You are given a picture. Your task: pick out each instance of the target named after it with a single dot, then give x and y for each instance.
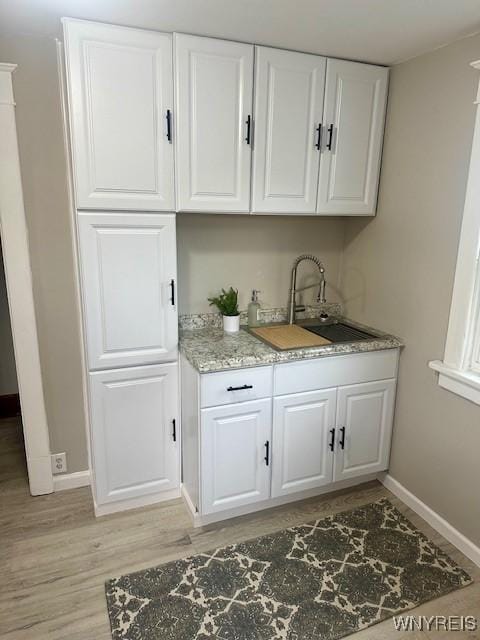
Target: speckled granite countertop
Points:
(209, 349)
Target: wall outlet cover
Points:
(59, 463)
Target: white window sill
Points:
(463, 383)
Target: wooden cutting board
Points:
(289, 336)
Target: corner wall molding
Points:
(64, 481)
(18, 276)
(448, 531)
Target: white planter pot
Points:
(231, 324)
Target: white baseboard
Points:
(135, 503)
(202, 520)
(71, 480)
(466, 546)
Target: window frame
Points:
(459, 371)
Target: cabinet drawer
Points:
(227, 387)
(334, 371)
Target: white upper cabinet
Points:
(354, 113)
(364, 428)
(214, 85)
(128, 268)
(314, 134)
(121, 107)
(289, 90)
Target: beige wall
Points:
(8, 374)
(42, 159)
(399, 268)
(253, 252)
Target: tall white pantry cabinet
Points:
(120, 89)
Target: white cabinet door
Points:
(289, 90)
(303, 431)
(214, 83)
(364, 428)
(128, 266)
(235, 455)
(354, 114)
(121, 94)
(135, 447)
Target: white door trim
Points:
(18, 276)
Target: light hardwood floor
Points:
(55, 556)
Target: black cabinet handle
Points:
(330, 137)
(342, 438)
(318, 143)
(267, 453)
(174, 430)
(172, 285)
(248, 122)
(169, 125)
(244, 386)
(332, 439)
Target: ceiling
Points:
(381, 31)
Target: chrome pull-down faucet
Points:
(292, 305)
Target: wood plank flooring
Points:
(55, 555)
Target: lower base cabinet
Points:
(235, 455)
(134, 421)
(277, 446)
(364, 419)
(325, 436)
(302, 458)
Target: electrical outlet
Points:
(59, 463)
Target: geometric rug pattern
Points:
(318, 581)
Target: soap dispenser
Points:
(254, 310)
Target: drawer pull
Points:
(267, 452)
(245, 386)
(332, 439)
(342, 438)
(174, 430)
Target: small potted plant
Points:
(227, 303)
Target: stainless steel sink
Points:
(338, 332)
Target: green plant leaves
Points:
(226, 302)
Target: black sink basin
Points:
(339, 332)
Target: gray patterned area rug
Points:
(319, 581)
